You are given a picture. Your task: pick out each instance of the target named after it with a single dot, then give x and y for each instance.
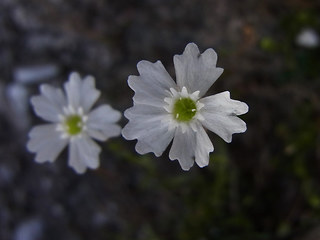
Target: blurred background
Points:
(264, 185)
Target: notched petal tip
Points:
(240, 107)
(186, 168)
(225, 94)
(219, 71)
(126, 134)
(78, 170)
(244, 108)
(210, 57)
(30, 146)
(191, 50)
(33, 100)
(44, 87)
(228, 139)
(131, 81)
(127, 113)
(74, 76)
(143, 64)
(243, 127)
(202, 165)
(195, 70)
(192, 47)
(90, 79)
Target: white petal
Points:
(183, 148)
(89, 152)
(141, 125)
(220, 115)
(46, 142)
(98, 135)
(55, 95)
(224, 126)
(75, 160)
(155, 74)
(103, 114)
(152, 85)
(89, 93)
(83, 153)
(146, 93)
(73, 90)
(222, 103)
(144, 111)
(156, 141)
(149, 125)
(105, 132)
(101, 123)
(45, 109)
(196, 71)
(49, 104)
(203, 148)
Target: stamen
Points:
(195, 95)
(174, 92)
(184, 92)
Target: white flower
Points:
(72, 123)
(308, 38)
(164, 110)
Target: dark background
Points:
(262, 186)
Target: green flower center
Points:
(184, 109)
(73, 124)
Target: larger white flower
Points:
(164, 110)
(72, 123)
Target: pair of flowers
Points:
(163, 110)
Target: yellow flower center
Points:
(73, 125)
(184, 109)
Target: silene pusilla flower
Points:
(164, 110)
(72, 122)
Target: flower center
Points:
(73, 125)
(184, 109)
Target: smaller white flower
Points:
(164, 110)
(308, 38)
(72, 123)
